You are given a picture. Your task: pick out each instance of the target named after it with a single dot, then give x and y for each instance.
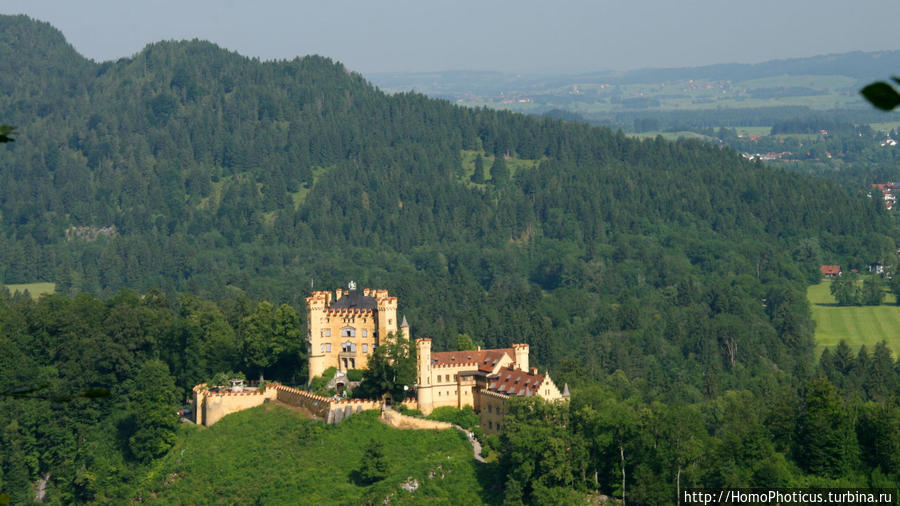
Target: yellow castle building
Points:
(344, 328)
(483, 379)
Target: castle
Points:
(343, 331)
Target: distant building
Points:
(830, 271)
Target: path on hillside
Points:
(476, 446)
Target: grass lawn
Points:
(753, 131)
(858, 325)
(274, 455)
(35, 289)
(514, 164)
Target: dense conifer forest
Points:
(186, 199)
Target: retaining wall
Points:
(395, 419)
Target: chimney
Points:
(533, 371)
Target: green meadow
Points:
(858, 325)
(34, 289)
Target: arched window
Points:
(348, 332)
(348, 347)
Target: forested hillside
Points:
(190, 169)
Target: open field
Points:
(858, 325)
(514, 164)
(35, 289)
(753, 131)
(886, 126)
(670, 136)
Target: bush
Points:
(355, 375)
(403, 410)
(223, 379)
(465, 417)
(319, 383)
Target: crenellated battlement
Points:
(348, 310)
(494, 395)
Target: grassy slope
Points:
(858, 325)
(273, 455)
(514, 164)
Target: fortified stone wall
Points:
(210, 407)
(396, 420)
(324, 408)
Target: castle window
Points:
(365, 332)
(490, 408)
(348, 347)
(348, 332)
(322, 350)
(365, 348)
(327, 332)
(327, 347)
(490, 424)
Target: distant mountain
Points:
(858, 65)
(820, 82)
(863, 66)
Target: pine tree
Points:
(827, 443)
(478, 175)
(499, 171)
(374, 466)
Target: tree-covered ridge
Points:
(222, 171)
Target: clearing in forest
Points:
(858, 325)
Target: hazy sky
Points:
(522, 35)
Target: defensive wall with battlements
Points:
(211, 405)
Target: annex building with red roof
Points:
(483, 379)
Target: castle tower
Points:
(404, 328)
(424, 394)
(343, 331)
(521, 356)
(387, 314)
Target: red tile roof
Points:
(515, 382)
(831, 269)
(484, 359)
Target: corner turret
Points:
(521, 356)
(424, 394)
